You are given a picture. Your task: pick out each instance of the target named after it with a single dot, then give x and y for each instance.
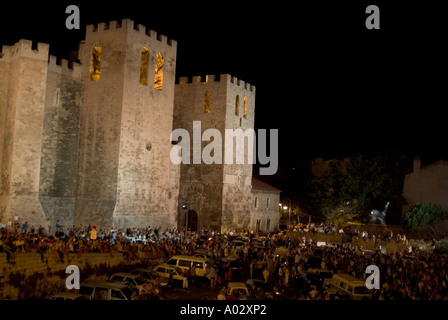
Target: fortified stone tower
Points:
(39, 106)
(218, 196)
(57, 183)
(125, 176)
(23, 80)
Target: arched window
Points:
(95, 63)
(256, 202)
(207, 102)
(267, 202)
(237, 105)
(158, 78)
(144, 63)
(245, 107)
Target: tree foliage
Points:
(348, 191)
(424, 214)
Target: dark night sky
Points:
(329, 85)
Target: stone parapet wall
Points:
(47, 279)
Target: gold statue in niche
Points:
(158, 78)
(144, 63)
(207, 102)
(95, 64)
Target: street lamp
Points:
(289, 211)
(184, 207)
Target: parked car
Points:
(254, 284)
(63, 296)
(265, 286)
(134, 280)
(355, 288)
(238, 244)
(234, 263)
(257, 244)
(103, 290)
(201, 253)
(305, 280)
(185, 263)
(149, 275)
(164, 270)
(237, 289)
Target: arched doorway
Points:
(192, 218)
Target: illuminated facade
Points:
(89, 142)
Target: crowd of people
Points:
(422, 276)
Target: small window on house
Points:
(144, 63)
(95, 64)
(256, 202)
(237, 105)
(245, 107)
(268, 224)
(207, 102)
(158, 78)
(267, 203)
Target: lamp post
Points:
(184, 207)
(289, 210)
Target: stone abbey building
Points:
(90, 142)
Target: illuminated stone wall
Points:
(201, 185)
(57, 185)
(90, 143)
(23, 79)
(124, 169)
(237, 204)
(265, 209)
(219, 193)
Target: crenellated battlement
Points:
(241, 83)
(62, 66)
(127, 25)
(24, 48)
(223, 78)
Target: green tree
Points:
(425, 214)
(326, 192)
(348, 191)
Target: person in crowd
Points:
(213, 275)
(425, 277)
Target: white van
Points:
(355, 288)
(184, 262)
(101, 290)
